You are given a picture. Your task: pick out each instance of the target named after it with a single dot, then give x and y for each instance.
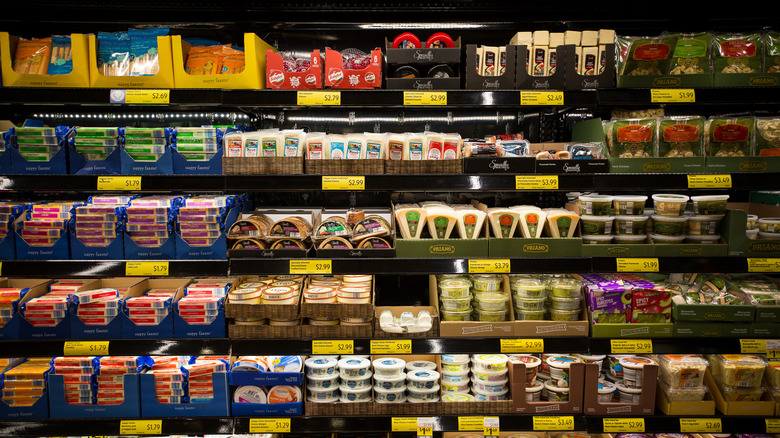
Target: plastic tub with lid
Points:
(489, 376)
(393, 395)
(704, 225)
(534, 393)
(488, 387)
(752, 234)
(456, 377)
(598, 359)
(354, 395)
(740, 393)
(665, 240)
(744, 370)
(629, 204)
(390, 382)
(457, 359)
(322, 395)
(565, 314)
(669, 204)
(324, 382)
(628, 239)
(751, 221)
(455, 287)
(596, 225)
(606, 391)
(491, 315)
(486, 282)
(356, 382)
(389, 366)
(453, 315)
(459, 387)
(321, 366)
(490, 362)
(423, 395)
(527, 288)
(628, 394)
(633, 370)
(422, 379)
(556, 393)
(529, 303)
(529, 315)
(490, 396)
(669, 225)
(491, 301)
(599, 205)
(456, 304)
(532, 365)
(354, 367)
(565, 303)
(565, 287)
(559, 366)
(682, 394)
(597, 240)
(768, 236)
(709, 204)
(452, 369)
(456, 397)
(630, 225)
(420, 364)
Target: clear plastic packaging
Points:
(682, 370)
(683, 394)
(740, 370)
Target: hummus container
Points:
(420, 364)
(669, 225)
(630, 225)
(633, 370)
(325, 382)
(527, 288)
(661, 240)
(456, 397)
(455, 288)
(556, 393)
(491, 315)
(565, 315)
(461, 388)
(489, 387)
(669, 205)
(489, 362)
(596, 225)
(704, 225)
(453, 315)
(559, 366)
(598, 205)
(629, 204)
(490, 396)
(628, 239)
(709, 204)
(489, 376)
(529, 303)
(768, 236)
(743, 370)
(702, 240)
(534, 393)
(423, 395)
(606, 391)
(354, 395)
(751, 221)
(486, 282)
(323, 395)
(361, 383)
(395, 395)
(529, 315)
(615, 369)
(532, 364)
(565, 303)
(491, 301)
(628, 394)
(773, 373)
(388, 383)
(597, 240)
(565, 287)
(422, 379)
(321, 367)
(456, 304)
(752, 234)
(768, 225)
(389, 367)
(354, 367)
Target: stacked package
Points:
(488, 382)
(440, 219)
(201, 220)
(9, 301)
(681, 376)
(147, 144)
(626, 298)
(9, 212)
(169, 378)
(150, 219)
(96, 143)
(264, 394)
(97, 307)
(540, 297)
(473, 298)
(266, 143)
(344, 289)
(151, 308)
(110, 378)
(200, 380)
(47, 310)
(37, 144)
(46, 223)
(78, 376)
(345, 380)
(98, 223)
(739, 377)
(197, 143)
(352, 230)
(25, 383)
(203, 298)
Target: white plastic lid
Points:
(381, 390)
(455, 359)
(421, 391)
(423, 376)
(636, 362)
(550, 385)
(658, 218)
(250, 394)
(703, 237)
(668, 239)
(286, 364)
(457, 397)
(562, 361)
(670, 198)
(632, 198)
(322, 390)
(590, 217)
(529, 361)
(710, 198)
(536, 388)
(319, 363)
(485, 372)
(420, 364)
(490, 360)
(623, 388)
(706, 217)
(490, 383)
(390, 379)
(596, 197)
(597, 237)
(346, 389)
(354, 363)
(389, 365)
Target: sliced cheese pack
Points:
(315, 146)
(375, 146)
(335, 147)
(411, 220)
(503, 221)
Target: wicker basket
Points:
(262, 165)
(261, 311)
(336, 331)
(409, 408)
(336, 310)
(345, 167)
(477, 407)
(264, 331)
(321, 409)
(417, 167)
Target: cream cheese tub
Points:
(460, 388)
(633, 370)
(420, 364)
(423, 395)
(598, 205)
(422, 379)
(556, 393)
(457, 397)
(486, 282)
(670, 205)
(457, 359)
(354, 367)
(709, 204)
(596, 225)
(628, 394)
(350, 395)
(393, 395)
(630, 225)
(559, 366)
(389, 367)
(606, 391)
(356, 383)
(489, 376)
(489, 362)
(489, 387)
(532, 365)
(490, 396)
(629, 204)
(389, 383)
(324, 382)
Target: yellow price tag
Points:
(772, 425)
(1, 268)
(141, 97)
(403, 424)
(536, 182)
(672, 95)
(541, 98)
(425, 426)
(147, 269)
(401, 346)
(637, 264)
(343, 183)
(311, 266)
(701, 425)
(709, 181)
(763, 265)
(624, 425)
(314, 98)
(554, 423)
(425, 98)
(489, 266)
(140, 427)
(471, 424)
(631, 346)
(522, 345)
(117, 183)
(270, 425)
(339, 346)
(85, 348)
(490, 426)
(752, 346)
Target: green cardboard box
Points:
(541, 247)
(666, 81)
(734, 227)
(742, 164)
(432, 248)
(711, 312)
(746, 80)
(618, 250)
(631, 330)
(712, 329)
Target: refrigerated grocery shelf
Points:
(121, 347)
(110, 268)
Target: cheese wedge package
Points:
(411, 220)
(503, 221)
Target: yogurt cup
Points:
(670, 205)
(628, 394)
(709, 204)
(389, 383)
(532, 365)
(630, 225)
(461, 388)
(356, 395)
(597, 240)
(556, 393)
(489, 387)
(489, 362)
(629, 204)
(669, 225)
(599, 205)
(389, 366)
(490, 396)
(559, 366)
(323, 395)
(321, 367)
(704, 225)
(423, 395)
(422, 379)
(534, 393)
(529, 315)
(456, 397)
(628, 239)
(564, 315)
(661, 240)
(633, 370)
(324, 382)
(768, 236)
(703, 240)
(596, 225)
(768, 225)
(395, 395)
(606, 391)
(354, 367)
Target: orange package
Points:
(204, 60)
(232, 61)
(32, 56)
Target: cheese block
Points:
(356, 147)
(315, 146)
(441, 221)
(270, 144)
(335, 243)
(234, 144)
(415, 147)
(293, 142)
(331, 227)
(251, 141)
(411, 220)
(451, 147)
(371, 226)
(375, 146)
(470, 221)
(561, 223)
(435, 148)
(532, 222)
(396, 146)
(335, 147)
(256, 226)
(503, 221)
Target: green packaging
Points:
(681, 137)
(633, 138)
(730, 137)
(648, 56)
(691, 54)
(738, 53)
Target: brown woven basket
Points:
(274, 311)
(262, 165)
(320, 409)
(408, 408)
(336, 331)
(477, 407)
(345, 167)
(336, 310)
(404, 167)
(264, 331)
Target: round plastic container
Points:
(488, 387)
(389, 367)
(355, 383)
(456, 397)
(395, 395)
(556, 393)
(534, 393)
(629, 204)
(630, 225)
(283, 394)
(457, 359)
(768, 236)
(625, 239)
(456, 304)
(527, 288)
(628, 394)
(455, 288)
(420, 364)
(564, 315)
(751, 221)
(752, 234)
(660, 240)
(593, 225)
(599, 205)
(423, 395)
(613, 361)
(532, 364)
(597, 240)
(451, 315)
(489, 376)
(490, 396)
(598, 359)
(704, 225)
(350, 395)
(768, 225)
(529, 303)
(492, 301)
(323, 395)
(321, 367)
(702, 240)
(489, 362)
(606, 391)
(389, 383)
(461, 388)
(669, 225)
(455, 378)
(454, 368)
(669, 205)
(633, 370)
(250, 394)
(559, 366)
(529, 315)
(565, 287)
(490, 315)
(354, 367)
(709, 204)
(422, 379)
(486, 282)
(565, 303)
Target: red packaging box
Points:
(278, 79)
(337, 77)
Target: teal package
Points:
(144, 60)
(61, 62)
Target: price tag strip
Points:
(85, 348)
(773, 425)
(489, 266)
(425, 426)
(425, 98)
(403, 424)
(118, 183)
(624, 425)
(673, 95)
(343, 183)
(402, 346)
(763, 265)
(536, 182)
(270, 425)
(300, 267)
(554, 423)
(631, 346)
(140, 427)
(147, 269)
(637, 264)
(709, 181)
(490, 426)
(541, 98)
(336, 346)
(522, 346)
(316, 98)
(701, 425)
(471, 424)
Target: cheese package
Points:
(315, 146)
(490, 60)
(470, 221)
(371, 226)
(233, 144)
(411, 220)
(293, 141)
(335, 147)
(271, 144)
(441, 221)
(553, 57)
(356, 146)
(531, 220)
(503, 221)
(375, 146)
(397, 147)
(435, 146)
(415, 147)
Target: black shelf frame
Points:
(108, 268)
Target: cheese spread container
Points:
(633, 370)
(389, 367)
(559, 366)
(534, 393)
(606, 391)
(596, 239)
(456, 315)
(490, 396)
(393, 395)
(455, 378)
(423, 395)
(486, 282)
(284, 394)
(743, 370)
(565, 287)
(532, 365)
(247, 394)
(354, 367)
(323, 382)
(389, 383)
(420, 364)
(285, 364)
(491, 301)
(456, 304)
(457, 397)
(598, 205)
(669, 205)
(489, 362)
(630, 225)
(529, 315)
(490, 387)
(356, 383)
(669, 225)
(323, 395)
(462, 388)
(629, 204)
(768, 225)
(422, 379)
(565, 303)
(661, 239)
(596, 225)
(628, 394)
(455, 288)
(488, 376)
(321, 367)
(556, 393)
(704, 225)
(709, 204)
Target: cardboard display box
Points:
(264, 331)
(576, 392)
(576, 81)
(704, 408)
(278, 79)
(31, 288)
(265, 379)
(735, 224)
(407, 407)
(253, 76)
(525, 81)
(310, 214)
(681, 311)
(475, 81)
(163, 79)
(764, 407)
(478, 329)
(77, 78)
(337, 77)
(385, 213)
(428, 247)
(217, 328)
(134, 286)
(130, 408)
(414, 310)
(631, 330)
(422, 59)
(150, 407)
(163, 330)
(646, 406)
